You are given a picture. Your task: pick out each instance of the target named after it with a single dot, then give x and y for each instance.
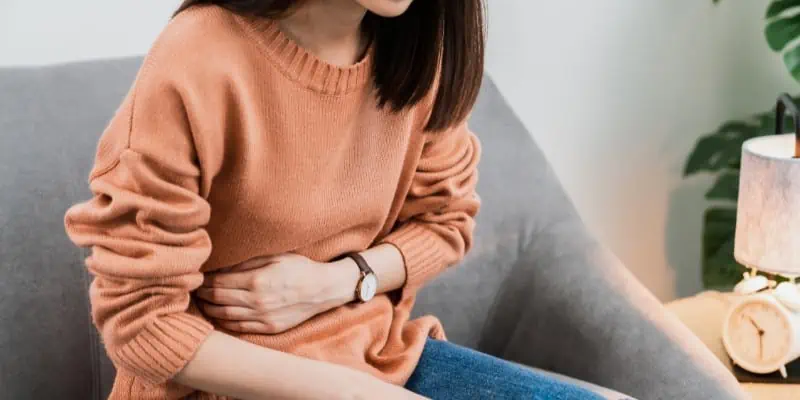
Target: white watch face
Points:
(368, 287)
(758, 336)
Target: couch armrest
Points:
(583, 314)
(704, 314)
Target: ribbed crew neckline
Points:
(304, 67)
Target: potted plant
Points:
(719, 153)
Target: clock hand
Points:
(758, 328)
(760, 337)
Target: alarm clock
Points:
(761, 334)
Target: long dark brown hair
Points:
(434, 36)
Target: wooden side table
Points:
(704, 315)
(762, 391)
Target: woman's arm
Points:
(232, 367)
(386, 262)
(434, 231)
(145, 226)
(436, 223)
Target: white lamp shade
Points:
(768, 214)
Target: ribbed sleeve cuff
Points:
(164, 347)
(422, 250)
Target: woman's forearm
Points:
(229, 366)
(387, 263)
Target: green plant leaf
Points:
(720, 269)
(783, 28)
(791, 59)
(781, 31)
(704, 156)
(721, 149)
(779, 6)
(726, 187)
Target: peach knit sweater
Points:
(234, 143)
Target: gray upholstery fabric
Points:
(535, 289)
(50, 120)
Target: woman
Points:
(279, 182)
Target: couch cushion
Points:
(50, 120)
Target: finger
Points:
(254, 263)
(247, 327)
(230, 280)
(224, 297)
(289, 257)
(229, 313)
(288, 318)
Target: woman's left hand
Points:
(273, 294)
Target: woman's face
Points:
(386, 8)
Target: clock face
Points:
(759, 336)
(369, 285)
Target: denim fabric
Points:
(450, 372)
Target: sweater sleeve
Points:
(436, 222)
(145, 227)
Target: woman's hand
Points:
(273, 294)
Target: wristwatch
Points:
(368, 282)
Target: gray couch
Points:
(536, 289)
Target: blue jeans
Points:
(450, 372)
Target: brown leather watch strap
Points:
(361, 262)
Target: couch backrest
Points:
(50, 120)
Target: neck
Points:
(331, 29)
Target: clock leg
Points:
(783, 372)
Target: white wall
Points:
(51, 31)
(614, 91)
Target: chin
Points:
(386, 8)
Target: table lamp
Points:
(768, 213)
(762, 329)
